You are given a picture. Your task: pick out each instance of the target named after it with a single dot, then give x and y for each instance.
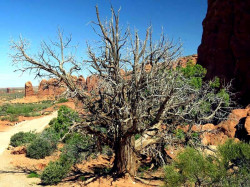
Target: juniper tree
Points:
(140, 86)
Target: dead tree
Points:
(138, 88)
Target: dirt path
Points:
(10, 176)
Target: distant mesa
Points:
(52, 87)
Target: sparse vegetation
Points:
(10, 96)
(229, 167)
(62, 100)
(11, 112)
(22, 138)
(33, 174)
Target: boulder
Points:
(229, 125)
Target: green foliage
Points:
(82, 178)
(40, 148)
(55, 172)
(194, 73)
(51, 135)
(22, 138)
(65, 119)
(172, 177)
(137, 136)
(180, 134)
(23, 109)
(224, 95)
(62, 100)
(106, 150)
(11, 112)
(11, 118)
(205, 106)
(191, 167)
(33, 174)
(10, 96)
(215, 83)
(236, 156)
(77, 148)
(229, 167)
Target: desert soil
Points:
(9, 175)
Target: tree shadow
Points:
(241, 132)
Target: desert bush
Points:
(40, 148)
(55, 172)
(51, 135)
(11, 118)
(22, 138)
(62, 100)
(28, 109)
(33, 174)
(77, 148)
(193, 168)
(66, 118)
(229, 167)
(235, 156)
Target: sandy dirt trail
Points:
(10, 176)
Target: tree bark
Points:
(125, 157)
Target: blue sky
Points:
(38, 20)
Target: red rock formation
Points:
(50, 88)
(81, 82)
(92, 82)
(29, 89)
(184, 60)
(224, 50)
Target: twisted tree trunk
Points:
(125, 157)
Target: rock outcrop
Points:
(92, 82)
(224, 50)
(183, 61)
(29, 91)
(50, 88)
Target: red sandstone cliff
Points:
(225, 46)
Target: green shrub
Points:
(27, 109)
(62, 100)
(172, 176)
(22, 138)
(65, 119)
(225, 96)
(40, 148)
(194, 74)
(235, 156)
(77, 148)
(215, 83)
(51, 135)
(193, 168)
(33, 174)
(55, 172)
(229, 167)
